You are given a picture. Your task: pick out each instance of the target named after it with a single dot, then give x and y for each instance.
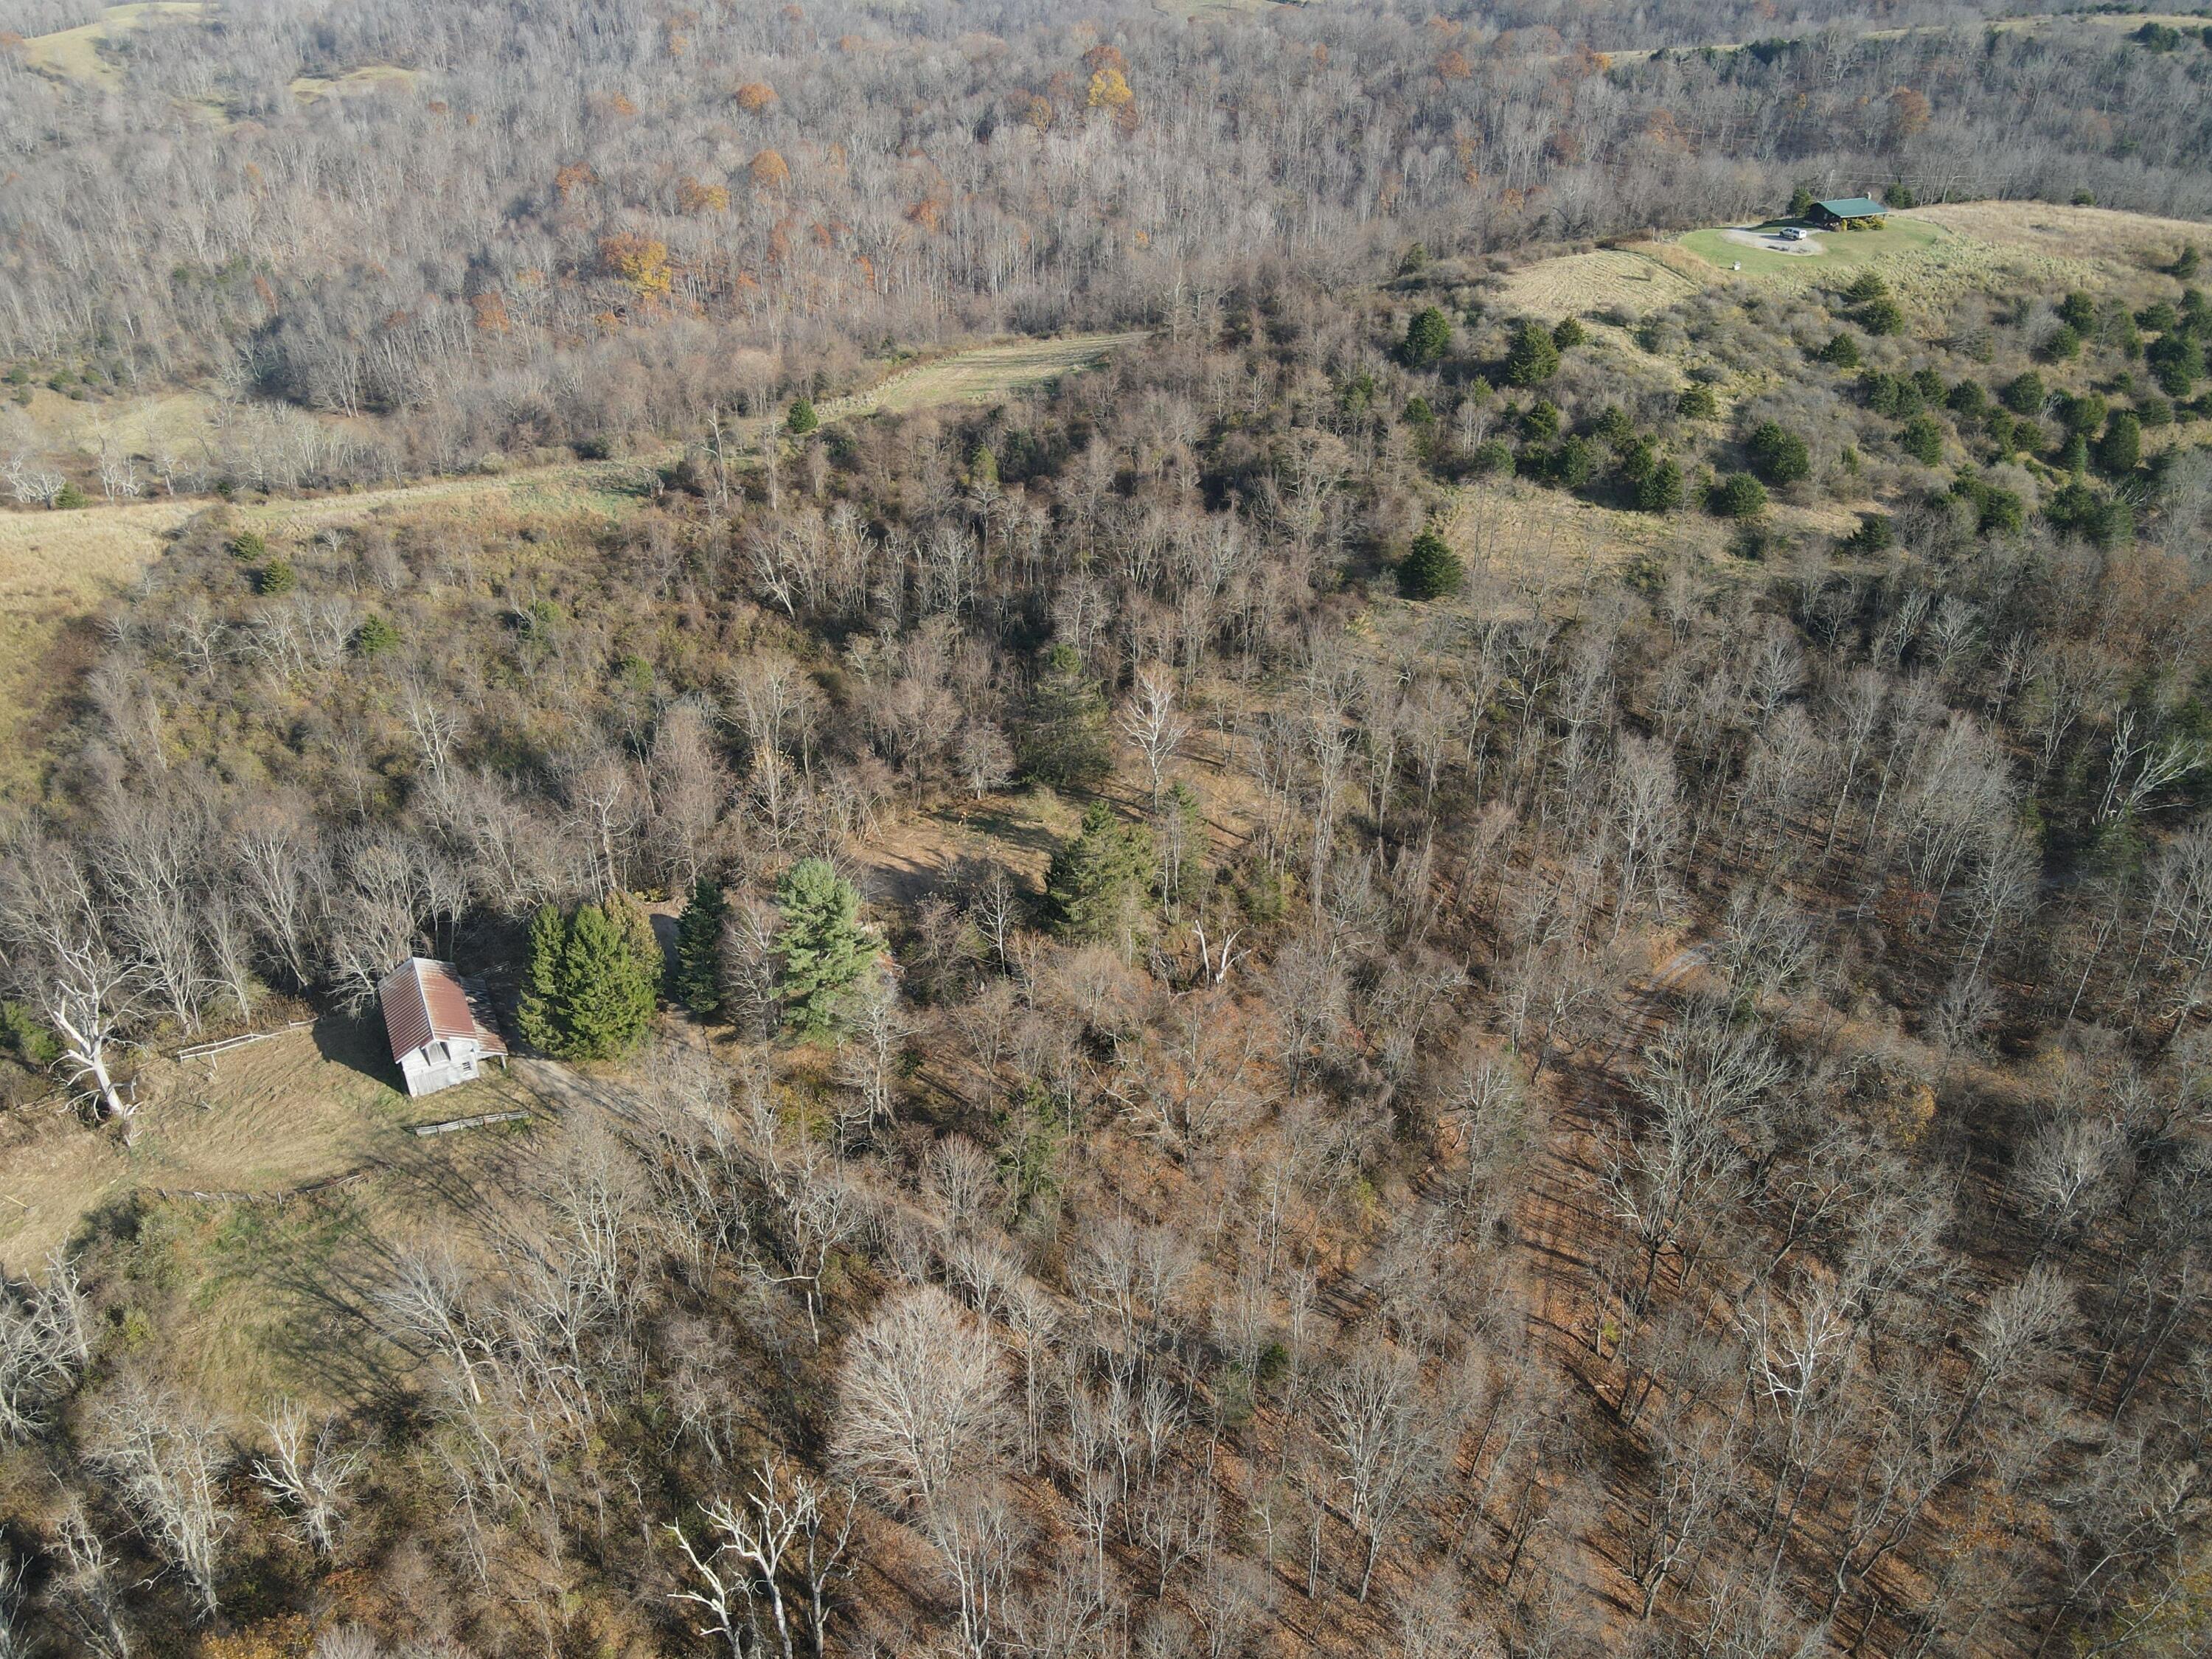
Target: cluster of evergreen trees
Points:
(592, 978)
(596, 971)
(822, 950)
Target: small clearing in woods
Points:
(1195, 10)
(2128, 20)
(985, 374)
(264, 1118)
(925, 852)
(375, 78)
(1522, 533)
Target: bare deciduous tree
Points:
(311, 1474)
(44, 1348)
(67, 962)
(168, 1459)
(1154, 725)
(1376, 1425)
(787, 1522)
(920, 1398)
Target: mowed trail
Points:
(56, 567)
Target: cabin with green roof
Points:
(1848, 213)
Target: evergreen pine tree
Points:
(1738, 495)
(1428, 337)
(628, 914)
(607, 984)
(1534, 358)
(696, 981)
(1780, 455)
(541, 981)
(1064, 740)
(1098, 881)
(589, 989)
(2120, 450)
(824, 946)
(1431, 570)
(1660, 490)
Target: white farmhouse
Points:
(438, 1031)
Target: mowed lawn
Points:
(264, 1118)
(261, 1195)
(1845, 249)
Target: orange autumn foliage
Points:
(1908, 113)
(769, 171)
(694, 197)
(1109, 89)
(754, 96)
(638, 260)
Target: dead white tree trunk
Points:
(311, 1479)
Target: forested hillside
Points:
(504, 224)
(1476, 944)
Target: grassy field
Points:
(75, 55)
(982, 375)
(265, 1119)
(2085, 234)
(2116, 20)
(1631, 282)
(256, 1296)
(1930, 255)
(1550, 538)
(375, 78)
(1924, 253)
(1214, 9)
(57, 567)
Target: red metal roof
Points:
(424, 1001)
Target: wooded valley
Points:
(1286, 856)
